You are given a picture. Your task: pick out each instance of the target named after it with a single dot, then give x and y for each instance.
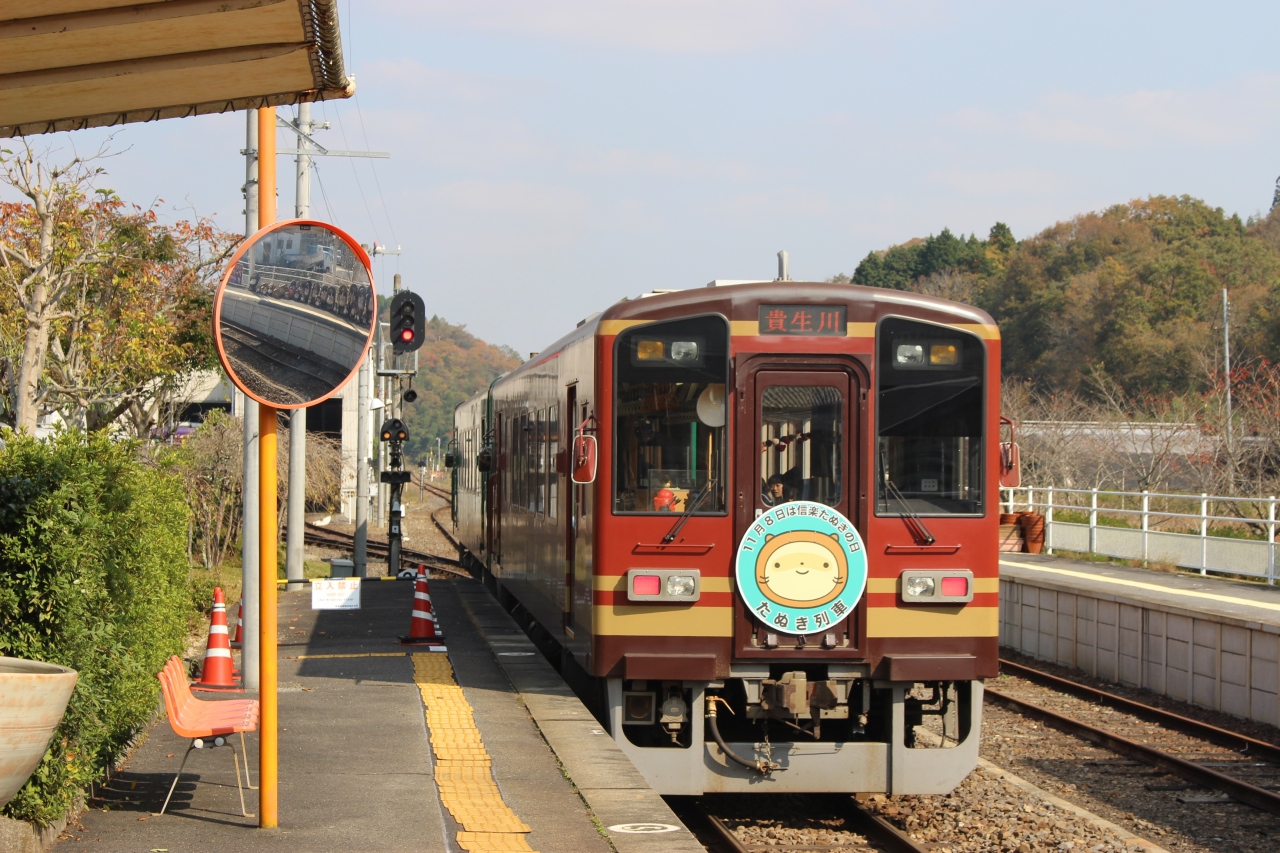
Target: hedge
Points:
(94, 576)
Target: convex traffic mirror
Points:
(294, 313)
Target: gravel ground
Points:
(1164, 808)
(987, 813)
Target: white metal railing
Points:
(1148, 542)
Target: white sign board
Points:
(336, 594)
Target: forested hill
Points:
(452, 365)
(1132, 293)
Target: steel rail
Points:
(877, 830)
(1213, 734)
(1240, 790)
(723, 834)
(881, 831)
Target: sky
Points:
(549, 158)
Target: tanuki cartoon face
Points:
(802, 568)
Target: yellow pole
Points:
(268, 809)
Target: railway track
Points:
(1243, 768)
(257, 357)
(790, 823)
(378, 548)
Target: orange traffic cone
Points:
(238, 640)
(216, 673)
(422, 630)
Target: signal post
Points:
(407, 323)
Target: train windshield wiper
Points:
(918, 530)
(690, 507)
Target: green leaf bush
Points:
(94, 576)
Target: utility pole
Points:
(360, 556)
(249, 419)
(1226, 366)
(296, 553)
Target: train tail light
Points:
(952, 586)
(646, 585)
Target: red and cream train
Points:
(762, 518)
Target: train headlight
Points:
(682, 586)
(909, 355)
(926, 354)
(949, 586)
(684, 350)
(919, 587)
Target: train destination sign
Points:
(801, 568)
(294, 313)
(806, 320)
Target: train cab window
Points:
(802, 433)
(929, 405)
(670, 415)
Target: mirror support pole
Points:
(268, 807)
(267, 565)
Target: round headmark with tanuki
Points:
(294, 314)
(801, 567)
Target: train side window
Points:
(929, 414)
(670, 419)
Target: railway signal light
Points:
(408, 321)
(393, 429)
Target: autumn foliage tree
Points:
(104, 307)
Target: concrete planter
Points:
(33, 698)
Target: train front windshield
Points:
(669, 417)
(930, 423)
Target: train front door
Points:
(797, 440)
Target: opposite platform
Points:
(1210, 641)
(359, 767)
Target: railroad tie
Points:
(464, 774)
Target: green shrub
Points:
(94, 576)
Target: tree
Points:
(107, 308)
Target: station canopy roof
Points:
(71, 64)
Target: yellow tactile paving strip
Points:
(463, 771)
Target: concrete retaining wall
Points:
(1210, 660)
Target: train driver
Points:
(774, 491)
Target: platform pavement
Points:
(1246, 601)
(356, 766)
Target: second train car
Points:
(762, 518)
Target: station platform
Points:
(389, 748)
(1210, 641)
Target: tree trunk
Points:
(36, 344)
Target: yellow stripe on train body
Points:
(960, 620)
(656, 620)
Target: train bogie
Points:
(779, 573)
